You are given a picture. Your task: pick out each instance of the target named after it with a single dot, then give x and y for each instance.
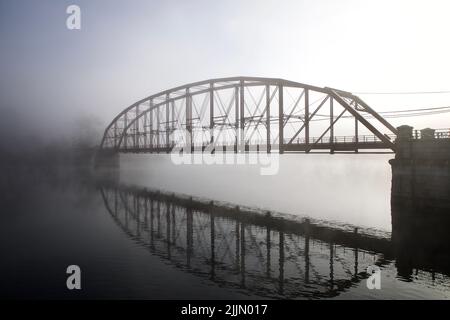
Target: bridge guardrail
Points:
(438, 134)
(416, 135)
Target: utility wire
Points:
(404, 92)
(413, 110)
(398, 113)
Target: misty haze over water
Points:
(133, 240)
(345, 188)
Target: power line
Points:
(416, 114)
(404, 92)
(399, 113)
(414, 110)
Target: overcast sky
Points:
(126, 50)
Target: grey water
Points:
(346, 188)
(156, 230)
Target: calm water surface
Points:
(157, 231)
(345, 188)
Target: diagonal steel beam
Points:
(328, 129)
(361, 119)
(312, 115)
(295, 106)
(376, 115)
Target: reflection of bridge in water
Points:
(259, 253)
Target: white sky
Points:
(127, 50)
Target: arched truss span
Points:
(248, 112)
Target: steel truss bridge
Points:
(249, 114)
(239, 248)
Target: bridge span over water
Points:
(249, 114)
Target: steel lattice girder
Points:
(150, 122)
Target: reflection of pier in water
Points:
(261, 254)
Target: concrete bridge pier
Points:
(420, 199)
(420, 180)
(421, 169)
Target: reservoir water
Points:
(155, 230)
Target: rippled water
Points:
(156, 231)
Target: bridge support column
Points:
(421, 172)
(420, 200)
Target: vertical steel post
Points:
(158, 127)
(242, 113)
(145, 130)
(167, 121)
(115, 135)
(211, 112)
(136, 128)
(307, 119)
(280, 120)
(173, 120)
(188, 121)
(268, 142)
(236, 109)
(150, 114)
(125, 133)
(331, 125)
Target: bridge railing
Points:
(298, 141)
(342, 139)
(361, 139)
(323, 140)
(438, 134)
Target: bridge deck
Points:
(293, 147)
